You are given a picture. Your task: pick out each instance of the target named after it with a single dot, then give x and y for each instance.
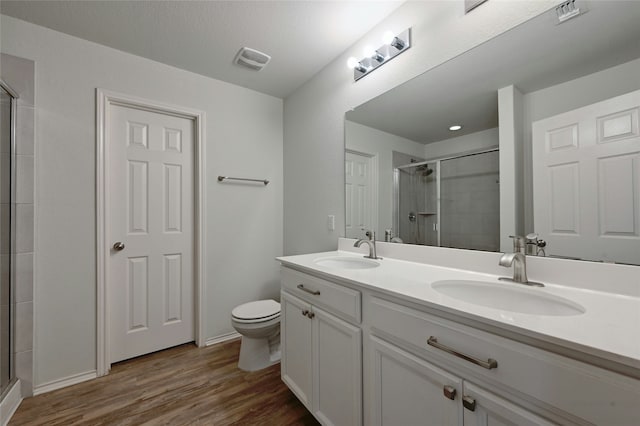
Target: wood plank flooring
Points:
(184, 385)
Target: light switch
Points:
(331, 222)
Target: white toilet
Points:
(259, 324)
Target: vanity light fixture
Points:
(568, 10)
(392, 47)
(455, 128)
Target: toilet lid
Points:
(256, 310)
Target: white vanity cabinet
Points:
(484, 408)
(321, 352)
(411, 391)
(510, 382)
(408, 390)
(419, 365)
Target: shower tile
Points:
(24, 326)
(5, 267)
(5, 178)
(24, 228)
(24, 277)
(19, 73)
(24, 371)
(25, 179)
(5, 228)
(25, 131)
(5, 122)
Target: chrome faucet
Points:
(371, 242)
(519, 263)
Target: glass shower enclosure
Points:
(7, 315)
(449, 202)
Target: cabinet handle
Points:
(311, 315)
(314, 292)
(450, 392)
(488, 364)
(469, 403)
(305, 313)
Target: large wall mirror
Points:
(549, 144)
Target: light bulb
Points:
(368, 51)
(455, 127)
(352, 62)
(388, 37)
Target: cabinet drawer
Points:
(342, 301)
(582, 390)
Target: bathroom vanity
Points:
(405, 343)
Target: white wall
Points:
(373, 141)
(314, 114)
(565, 97)
(484, 139)
(244, 234)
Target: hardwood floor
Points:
(184, 385)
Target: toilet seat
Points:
(256, 312)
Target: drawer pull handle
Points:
(469, 403)
(450, 392)
(488, 364)
(314, 292)
(305, 313)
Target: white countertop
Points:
(608, 329)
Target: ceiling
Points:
(537, 54)
(204, 36)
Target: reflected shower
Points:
(422, 169)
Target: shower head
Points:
(421, 170)
(424, 170)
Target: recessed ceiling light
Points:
(455, 128)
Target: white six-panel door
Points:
(151, 211)
(360, 198)
(586, 178)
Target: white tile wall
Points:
(19, 73)
(24, 186)
(24, 228)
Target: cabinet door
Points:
(410, 391)
(337, 350)
(296, 340)
(482, 408)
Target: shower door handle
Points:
(119, 246)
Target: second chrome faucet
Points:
(519, 262)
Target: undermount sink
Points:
(508, 297)
(341, 262)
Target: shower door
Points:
(6, 307)
(416, 195)
(470, 202)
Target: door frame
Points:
(104, 100)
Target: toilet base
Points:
(256, 354)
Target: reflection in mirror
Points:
(549, 146)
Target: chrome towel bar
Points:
(223, 178)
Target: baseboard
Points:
(222, 338)
(10, 403)
(64, 382)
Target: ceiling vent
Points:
(567, 10)
(252, 59)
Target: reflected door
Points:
(586, 181)
(360, 197)
(151, 274)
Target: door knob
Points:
(118, 246)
